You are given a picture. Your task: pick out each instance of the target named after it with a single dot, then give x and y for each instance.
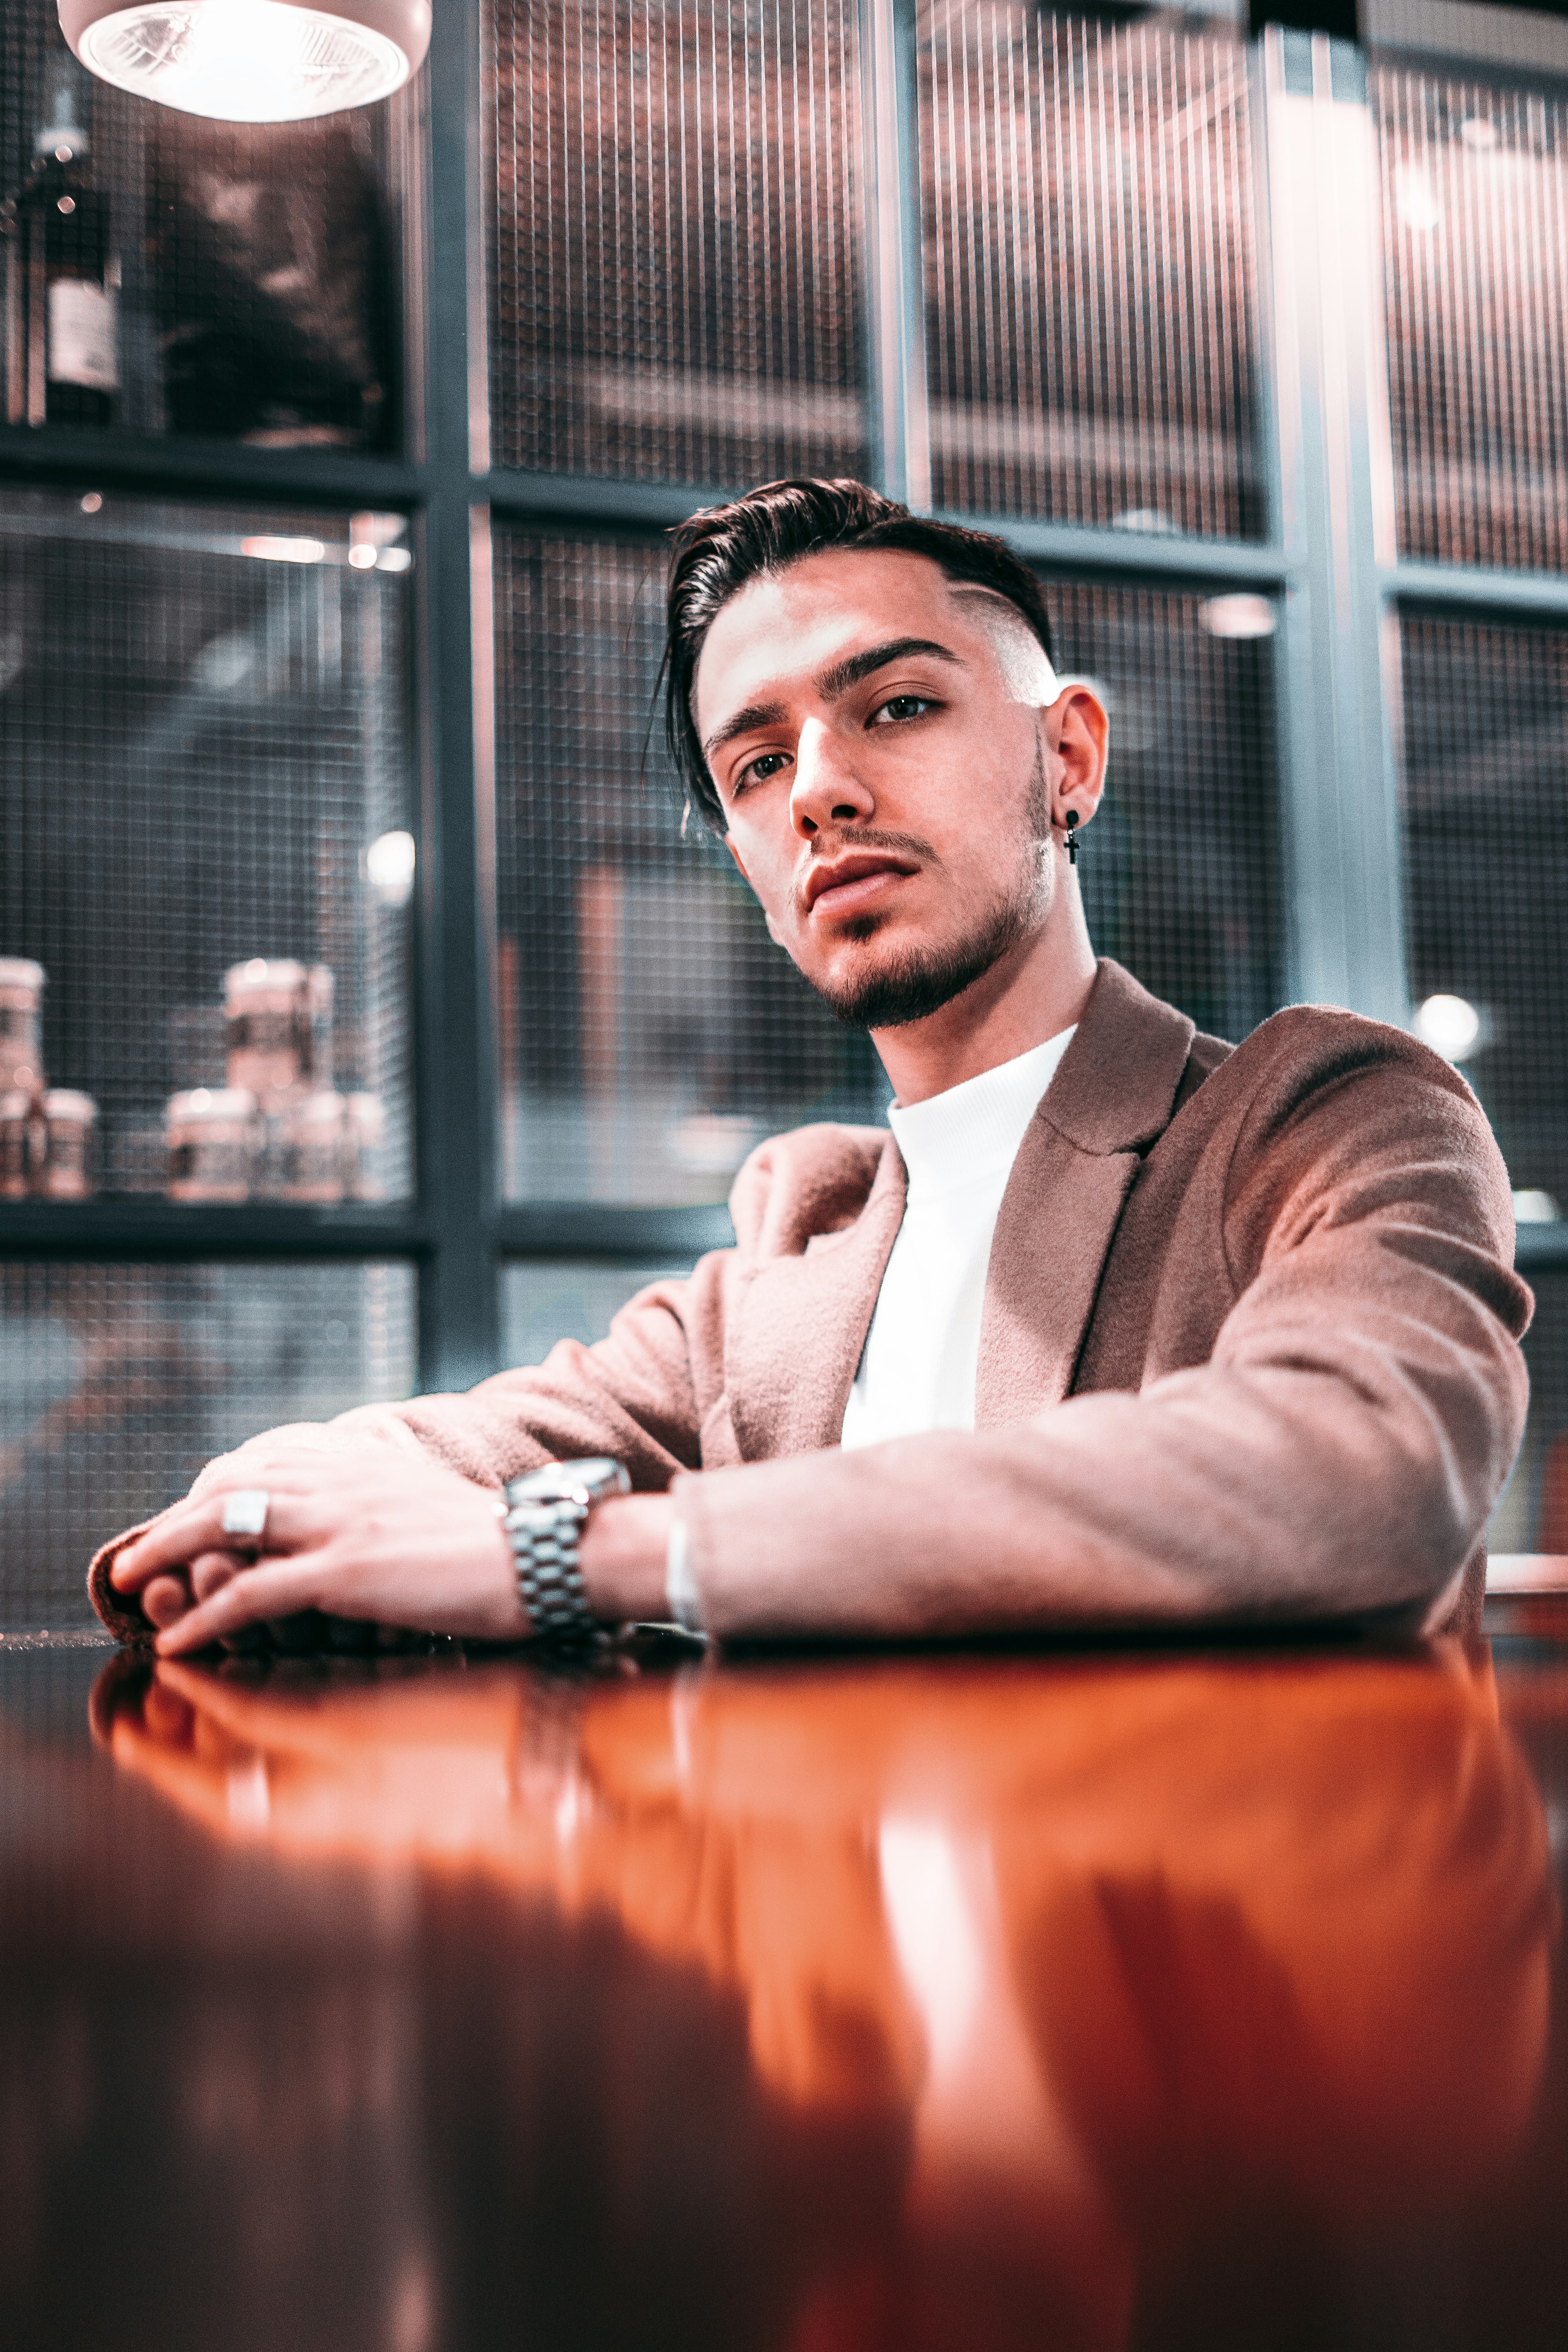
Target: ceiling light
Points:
(1237, 617)
(273, 549)
(251, 60)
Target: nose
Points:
(826, 789)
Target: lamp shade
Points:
(251, 60)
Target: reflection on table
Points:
(901, 2003)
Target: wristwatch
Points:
(544, 1517)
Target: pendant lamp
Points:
(251, 60)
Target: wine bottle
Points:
(61, 276)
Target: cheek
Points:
(766, 863)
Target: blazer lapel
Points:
(1110, 1099)
(793, 1348)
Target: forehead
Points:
(787, 626)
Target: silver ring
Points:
(245, 1512)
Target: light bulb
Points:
(389, 867)
(251, 60)
(1449, 1026)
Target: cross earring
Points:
(1072, 823)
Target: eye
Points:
(901, 708)
(758, 771)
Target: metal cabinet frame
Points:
(1326, 558)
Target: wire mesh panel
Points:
(547, 1299)
(240, 281)
(1089, 276)
(650, 1032)
(672, 238)
(1180, 871)
(1486, 858)
(205, 759)
(117, 1382)
(1475, 277)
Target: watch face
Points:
(597, 1475)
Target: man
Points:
(1118, 1326)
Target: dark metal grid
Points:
(672, 234)
(117, 1382)
(650, 1032)
(1486, 862)
(1091, 281)
(567, 1298)
(1180, 870)
(261, 266)
(1532, 1514)
(1475, 194)
(197, 748)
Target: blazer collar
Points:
(795, 1345)
(1109, 1100)
(796, 1337)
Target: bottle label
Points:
(82, 335)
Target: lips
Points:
(852, 884)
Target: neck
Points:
(1036, 989)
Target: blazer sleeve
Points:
(639, 1394)
(1338, 1452)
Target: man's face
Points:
(888, 775)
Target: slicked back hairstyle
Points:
(719, 550)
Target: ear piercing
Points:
(1071, 820)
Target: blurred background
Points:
(367, 1018)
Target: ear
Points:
(1079, 734)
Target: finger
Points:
(189, 1528)
(165, 1599)
(272, 1588)
(211, 1570)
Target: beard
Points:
(917, 981)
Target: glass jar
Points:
(23, 1140)
(364, 1132)
(266, 1028)
(320, 988)
(21, 1006)
(212, 1140)
(64, 1172)
(312, 1133)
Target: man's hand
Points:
(374, 1535)
(378, 1536)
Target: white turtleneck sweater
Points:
(917, 1369)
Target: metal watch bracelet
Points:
(544, 1517)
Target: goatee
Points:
(913, 984)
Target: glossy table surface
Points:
(1068, 1999)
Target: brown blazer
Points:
(1250, 1350)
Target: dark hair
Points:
(718, 550)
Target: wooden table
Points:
(1067, 1999)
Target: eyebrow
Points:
(755, 714)
(838, 679)
(830, 683)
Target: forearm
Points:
(1214, 1497)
